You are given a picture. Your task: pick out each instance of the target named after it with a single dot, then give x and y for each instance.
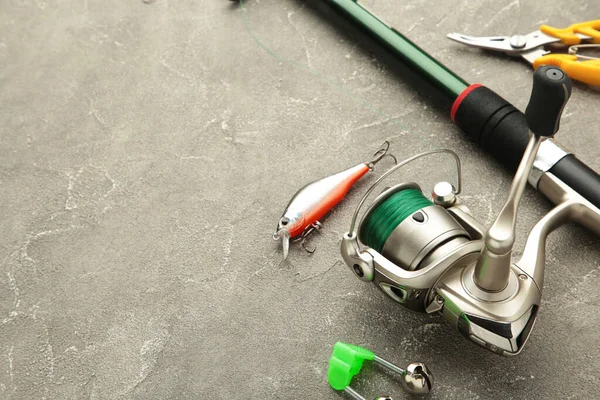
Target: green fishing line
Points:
(382, 221)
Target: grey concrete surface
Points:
(147, 150)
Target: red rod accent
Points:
(460, 99)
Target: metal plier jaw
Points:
(532, 48)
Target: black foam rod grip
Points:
(550, 93)
(501, 130)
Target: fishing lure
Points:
(313, 201)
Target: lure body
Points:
(313, 201)
(316, 199)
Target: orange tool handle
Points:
(584, 71)
(568, 35)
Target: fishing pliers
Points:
(536, 48)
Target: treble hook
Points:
(380, 154)
(309, 251)
(309, 229)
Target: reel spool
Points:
(408, 238)
(409, 229)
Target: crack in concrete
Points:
(12, 284)
(289, 17)
(174, 70)
(71, 203)
(155, 348)
(320, 274)
(502, 10)
(49, 352)
(74, 197)
(10, 366)
(95, 112)
(227, 247)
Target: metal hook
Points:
(309, 251)
(307, 231)
(403, 163)
(380, 154)
(574, 50)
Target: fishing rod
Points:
(434, 256)
(483, 115)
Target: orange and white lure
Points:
(316, 199)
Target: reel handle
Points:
(550, 93)
(494, 301)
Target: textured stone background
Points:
(147, 151)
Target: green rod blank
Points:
(446, 83)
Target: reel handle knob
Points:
(550, 93)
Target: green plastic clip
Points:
(347, 361)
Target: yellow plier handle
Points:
(587, 72)
(568, 35)
(584, 71)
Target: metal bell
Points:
(417, 379)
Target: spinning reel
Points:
(433, 256)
